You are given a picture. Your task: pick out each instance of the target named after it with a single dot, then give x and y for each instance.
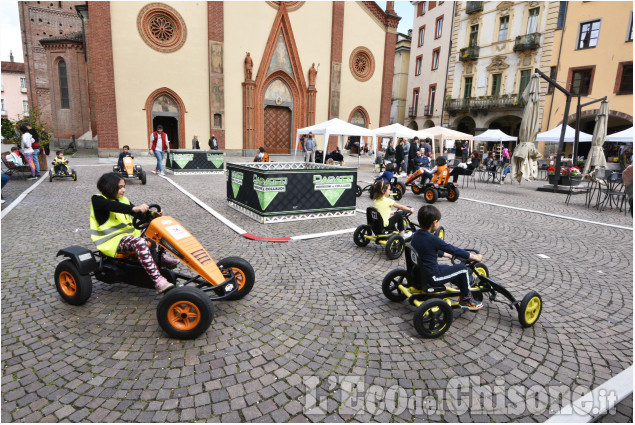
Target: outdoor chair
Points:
(542, 169)
(10, 169)
(596, 187)
(577, 191)
(614, 193)
(467, 178)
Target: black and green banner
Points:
(283, 192)
(194, 160)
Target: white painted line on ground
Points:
(21, 197)
(90, 165)
(549, 214)
(319, 235)
(207, 208)
(543, 256)
(599, 401)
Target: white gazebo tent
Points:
(442, 134)
(333, 127)
(553, 135)
(624, 136)
(394, 131)
(495, 135)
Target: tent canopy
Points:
(442, 134)
(395, 130)
(625, 136)
(333, 127)
(494, 136)
(553, 135)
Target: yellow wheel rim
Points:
(442, 234)
(184, 315)
(68, 284)
(533, 310)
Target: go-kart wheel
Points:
(530, 309)
(433, 318)
(393, 279)
(185, 312)
(401, 187)
(142, 177)
(361, 231)
(50, 175)
(358, 191)
(431, 195)
(416, 189)
(74, 174)
(394, 247)
(244, 273)
(115, 169)
(440, 233)
(480, 269)
(397, 193)
(73, 287)
(453, 193)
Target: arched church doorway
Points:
(278, 118)
(170, 128)
(165, 108)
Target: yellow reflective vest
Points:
(108, 235)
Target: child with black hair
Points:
(125, 152)
(440, 171)
(60, 163)
(388, 174)
(112, 232)
(380, 194)
(428, 247)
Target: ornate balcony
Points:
(473, 7)
(469, 53)
(527, 42)
(412, 112)
(427, 111)
(484, 104)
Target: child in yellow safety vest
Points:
(60, 163)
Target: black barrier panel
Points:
(195, 160)
(282, 192)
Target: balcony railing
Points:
(527, 42)
(412, 112)
(473, 7)
(469, 53)
(427, 111)
(485, 103)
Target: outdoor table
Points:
(271, 192)
(195, 161)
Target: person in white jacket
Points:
(27, 150)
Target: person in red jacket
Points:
(159, 148)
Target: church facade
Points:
(249, 73)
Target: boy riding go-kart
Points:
(126, 169)
(439, 186)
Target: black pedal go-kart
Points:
(433, 191)
(397, 189)
(393, 241)
(130, 171)
(433, 316)
(64, 173)
(185, 311)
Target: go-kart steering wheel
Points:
(142, 220)
(455, 259)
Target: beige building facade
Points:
(15, 101)
(400, 79)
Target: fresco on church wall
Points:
(216, 83)
(278, 91)
(164, 103)
(336, 72)
(280, 58)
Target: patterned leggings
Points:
(140, 246)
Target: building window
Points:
(25, 106)
(415, 101)
(474, 35)
(3, 110)
(589, 34)
(467, 91)
(422, 33)
(218, 121)
(431, 94)
(438, 27)
(629, 33)
(581, 80)
(624, 80)
(432, 5)
(532, 23)
(503, 26)
(23, 83)
(435, 57)
(421, 8)
(61, 71)
(161, 27)
(362, 64)
(524, 80)
(553, 73)
(562, 12)
(418, 65)
(496, 84)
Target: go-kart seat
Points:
(443, 178)
(415, 273)
(375, 221)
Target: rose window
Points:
(161, 27)
(362, 64)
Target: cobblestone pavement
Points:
(316, 310)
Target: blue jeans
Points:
(36, 151)
(159, 155)
(5, 179)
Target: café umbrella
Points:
(524, 161)
(596, 157)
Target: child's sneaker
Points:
(162, 285)
(470, 303)
(169, 262)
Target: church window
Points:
(161, 27)
(61, 70)
(362, 64)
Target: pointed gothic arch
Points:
(181, 113)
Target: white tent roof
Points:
(333, 127)
(494, 136)
(443, 133)
(624, 136)
(553, 135)
(395, 130)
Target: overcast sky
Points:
(10, 39)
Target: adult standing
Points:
(213, 143)
(159, 148)
(412, 154)
(195, 143)
(399, 157)
(406, 151)
(427, 147)
(309, 148)
(390, 152)
(465, 151)
(27, 149)
(35, 146)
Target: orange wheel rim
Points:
(184, 315)
(68, 284)
(240, 277)
(428, 195)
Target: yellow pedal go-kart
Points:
(130, 171)
(433, 316)
(184, 312)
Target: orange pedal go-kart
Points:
(184, 312)
(130, 171)
(416, 188)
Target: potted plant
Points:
(571, 176)
(551, 175)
